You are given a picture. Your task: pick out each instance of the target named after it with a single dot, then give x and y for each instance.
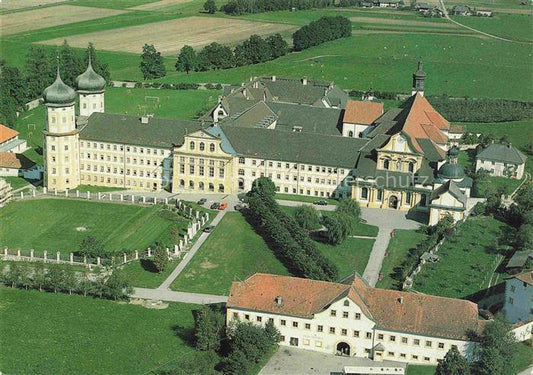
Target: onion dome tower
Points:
(419, 79)
(451, 170)
(61, 152)
(91, 88)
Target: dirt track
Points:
(169, 36)
(51, 16)
(21, 4)
(389, 21)
(159, 4)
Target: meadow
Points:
(54, 225)
(513, 26)
(47, 333)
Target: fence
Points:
(198, 220)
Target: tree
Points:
(39, 276)
(152, 65)
(117, 286)
(453, 364)
(252, 51)
(338, 228)
(70, 280)
(208, 329)
(187, 60)
(38, 71)
(70, 63)
(263, 186)
(277, 45)
(350, 208)
(215, 56)
(250, 340)
(175, 234)
(54, 279)
(91, 247)
(498, 348)
(210, 6)
(98, 66)
(444, 224)
(237, 363)
(524, 236)
(85, 285)
(13, 94)
(307, 217)
(160, 257)
(272, 333)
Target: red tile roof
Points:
(7, 133)
(389, 309)
(15, 161)
(364, 113)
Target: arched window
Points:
(221, 188)
(221, 112)
(191, 184)
(364, 193)
(350, 134)
(211, 187)
(202, 146)
(412, 166)
(201, 185)
(182, 183)
(386, 163)
(191, 145)
(212, 147)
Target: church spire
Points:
(419, 78)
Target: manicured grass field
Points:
(468, 260)
(303, 198)
(232, 252)
(142, 273)
(398, 249)
(352, 255)
(16, 182)
(420, 370)
(46, 333)
(51, 224)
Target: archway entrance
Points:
(393, 202)
(343, 349)
(241, 183)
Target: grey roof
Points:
(453, 171)
(432, 152)
(125, 129)
(520, 258)
(502, 153)
(387, 123)
(294, 147)
(226, 146)
(90, 80)
(453, 189)
(58, 93)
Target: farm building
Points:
(519, 261)
(483, 12)
(387, 160)
(501, 160)
(10, 142)
(518, 297)
(12, 164)
(460, 10)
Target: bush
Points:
(307, 217)
(92, 247)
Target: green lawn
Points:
(352, 255)
(142, 273)
(46, 333)
(420, 370)
(232, 252)
(467, 260)
(16, 182)
(512, 26)
(304, 198)
(50, 224)
(524, 355)
(398, 249)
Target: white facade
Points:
(354, 130)
(500, 169)
(91, 102)
(518, 306)
(343, 328)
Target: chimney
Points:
(279, 301)
(273, 78)
(304, 81)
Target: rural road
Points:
(171, 296)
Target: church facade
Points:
(307, 136)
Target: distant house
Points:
(388, 3)
(423, 7)
(484, 13)
(456, 132)
(518, 296)
(520, 261)
(460, 10)
(501, 161)
(10, 142)
(366, 4)
(12, 164)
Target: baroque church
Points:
(307, 136)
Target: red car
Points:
(223, 206)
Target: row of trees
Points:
(496, 354)
(55, 278)
(239, 7)
(254, 50)
(289, 240)
(18, 87)
(320, 31)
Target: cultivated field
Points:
(169, 36)
(158, 5)
(390, 21)
(21, 4)
(51, 16)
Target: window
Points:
(282, 338)
(333, 313)
(254, 162)
(416, 342)
(513, 288)
(428, 344)
(345, 314)
(392, 338)
(403, 355)
(259, 319)
(364, 193)
(318, 344)
(201, 146)
(235, 315)
(320, 328)
(441, 345)
(332, 330)
(241, 160)
(271, 320)
(408, 197)
(404, 340)
(295, 324)
(415, 357)
(247, 316)
(386, 163)
(426, 359)
(390, 354)
(380, 336)
(344, 332)
(369, 335)
(380, 195)
(191, 145)
(283, 322)
(350, 134)
(307, 326)
(355, 333)
(357, 316)
(411, 166)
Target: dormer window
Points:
(297, 129)
(346, 302)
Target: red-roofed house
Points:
(12, 164)
(356, 319)
(359, 116)
(10, 142)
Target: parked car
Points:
(202, 201)
(321, 203)
(209, 228)
(223, 206)
(215, 206)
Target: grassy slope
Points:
(142, 273)
(513, 26)
(467, 260)
(398, 249)
(352, 255)
(53, 225)
(73, 334)
(231, 253)
(16, 182)
(420, 370)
